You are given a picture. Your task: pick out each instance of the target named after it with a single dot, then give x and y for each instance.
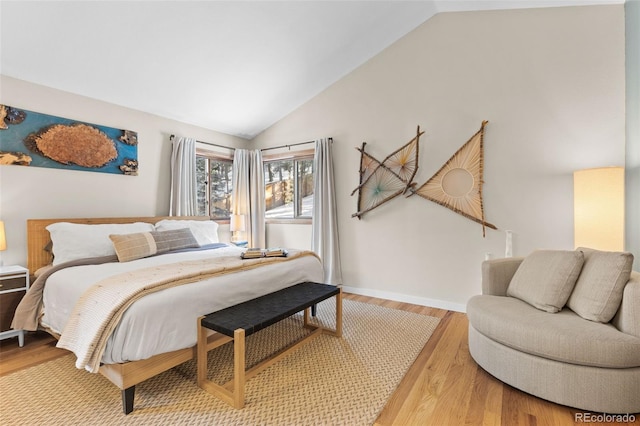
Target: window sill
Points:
(290, 221)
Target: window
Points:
(289, 187)
(214, 184)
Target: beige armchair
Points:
(525, 330)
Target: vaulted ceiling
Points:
(232, 66)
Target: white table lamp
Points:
(236, 224)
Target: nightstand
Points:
(239, 243)
(14, 283)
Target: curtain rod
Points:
(208, 143)
(263, 149)
(292, 144)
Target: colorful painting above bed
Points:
(30, 138)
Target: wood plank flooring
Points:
(444, 386)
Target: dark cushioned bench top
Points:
(256, 314)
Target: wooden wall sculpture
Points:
(381, 181)
(456, 186)
(458, 183)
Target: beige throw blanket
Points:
(100, 308)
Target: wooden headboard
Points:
(38, 237)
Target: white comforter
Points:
(166, 320)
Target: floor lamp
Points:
(598, 196)
(3, 240)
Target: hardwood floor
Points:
(443, 387)
(38, 347)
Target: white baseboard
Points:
(399, 297)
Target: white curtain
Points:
(182, 200)
(248, 194)
(324, 235)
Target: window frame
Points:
(213, 156)
(295, 156)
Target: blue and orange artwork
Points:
(30, 138)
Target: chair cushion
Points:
(598, 291)
(564, 337)
(545, 278)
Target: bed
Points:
(157, 331)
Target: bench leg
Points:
(314, 310)
(338, 330)
(339, 314)
(235, 398)
(238, 368)
(128, 396)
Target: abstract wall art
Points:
(30, 138)
(458, 183)
(381, 181)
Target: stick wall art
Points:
(458, 183)
(381, 181)
(456, 186)
(30, 138)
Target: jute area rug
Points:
(328, 381)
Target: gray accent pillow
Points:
(545, 278)
(144, 244)
(599, 288)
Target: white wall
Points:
(551, 84)
(289, 235)
(35, 192)
(632, 28)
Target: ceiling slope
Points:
(232, 66)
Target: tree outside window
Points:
(214, 186)
(289, 188)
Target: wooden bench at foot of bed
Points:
(237, 322)
(125, 376)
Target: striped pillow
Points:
(144, 244)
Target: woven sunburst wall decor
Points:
(458, 183)
(381, 181)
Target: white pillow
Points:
(73, 241)
(205, 231)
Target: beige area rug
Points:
(328, 381)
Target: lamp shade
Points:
(236, 222)
(598, 197)
(3, 238)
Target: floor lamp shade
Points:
(3, 237)
(598, 196)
